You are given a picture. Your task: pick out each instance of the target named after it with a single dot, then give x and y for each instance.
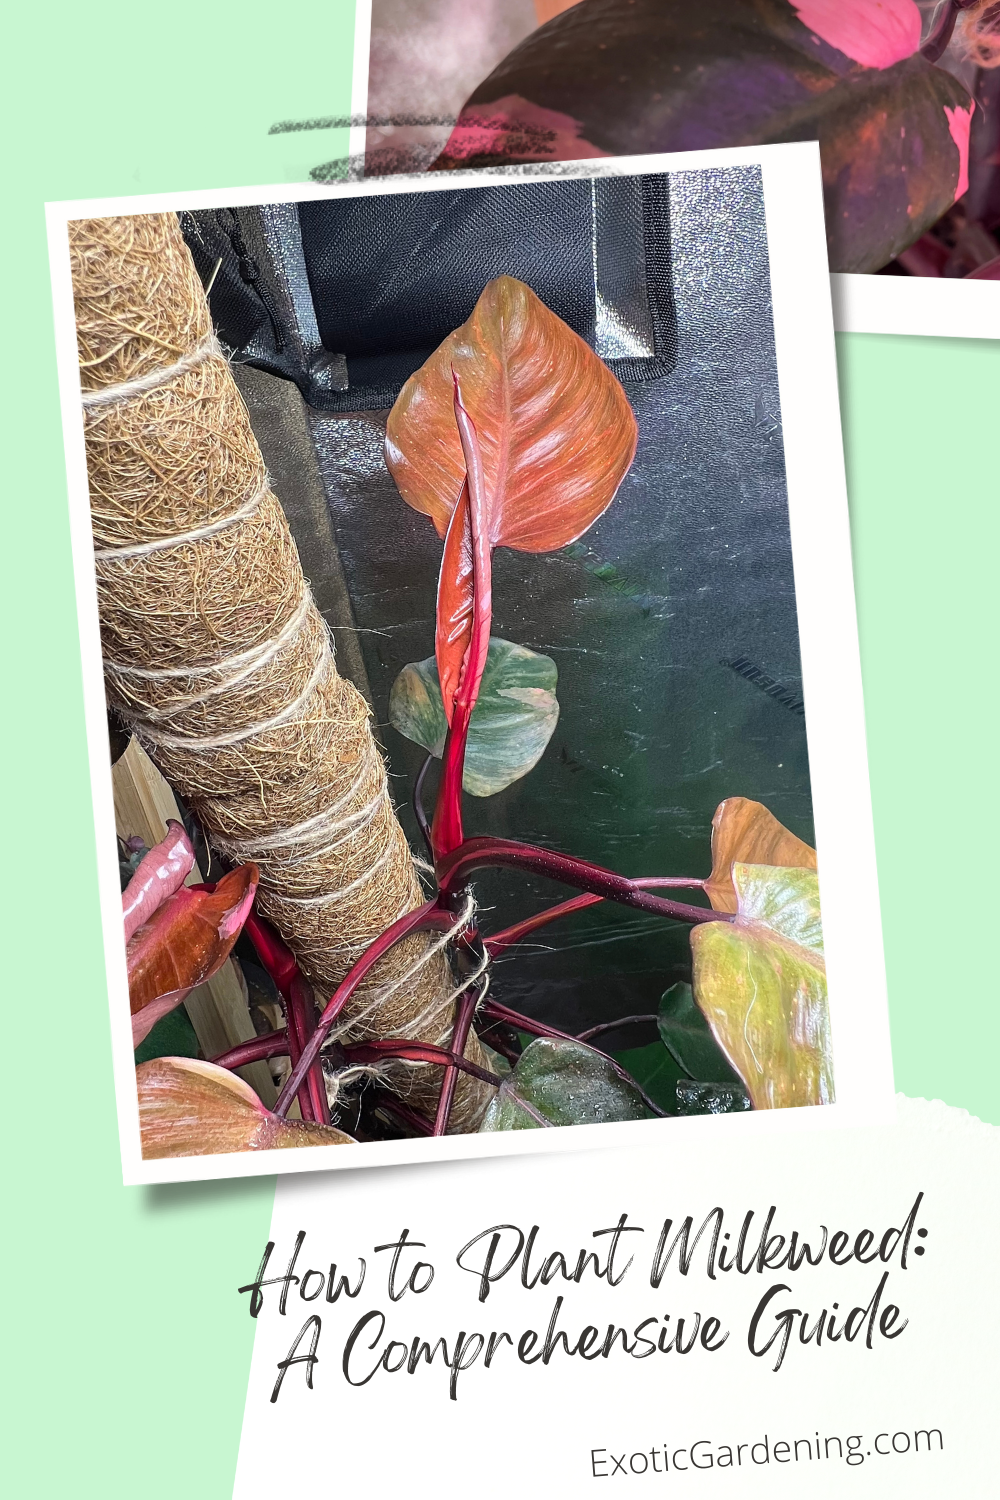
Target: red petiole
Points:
(273, 1044)
(482, 853)
(500, 941)
(430, 916)
(419, 1052)
(464, 1013)
(302, 1007)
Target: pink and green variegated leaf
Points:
(158, 875)
(760, 982)
(186, 941)
(192, 1108)
(513, 721)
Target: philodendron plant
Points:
(513, 434)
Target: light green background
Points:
(127, 1348)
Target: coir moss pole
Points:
(215, 653)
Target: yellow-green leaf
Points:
(760, 982)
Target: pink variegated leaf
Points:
(158, 875)
(186, 941)
(192, 1108)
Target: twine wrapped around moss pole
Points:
(215, 653)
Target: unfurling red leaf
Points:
(562, 1083)
(514, 718)
(185, 942)
(554, 428)
(745, 832)
(761, 983)
(161, 872)
(609, 79)
(192, 1108)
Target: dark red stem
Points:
(273, 1044)
(446, 829)
(494, 1011)
(477, 854)
(412, 1118)
(301, 998)
(491, 1033)
(587, 1036)
(418, 806)
(300, 1012)
(937, 43)
(296, 1042)
(420, 1052)
(464, 1012)
(511, 935)
(274, 956)
(422, 918)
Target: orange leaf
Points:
(192, 1108)
(744, 832)
(555, 429)
(183, 944)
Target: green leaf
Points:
(513, 720)
(688, 1038)
(562, 1083)
(655, 1071)
(763, 989)
(172, 1036)
(711, 1098)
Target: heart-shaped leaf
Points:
(655, 1070)
(192, 1108)
(763, 990)
(161, 872)
(562, 1083)
(514, 718)
(745, 832)
(688, 1038)
(186, 941)
(607, 79)
(554, 429)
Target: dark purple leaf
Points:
(610, 79)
